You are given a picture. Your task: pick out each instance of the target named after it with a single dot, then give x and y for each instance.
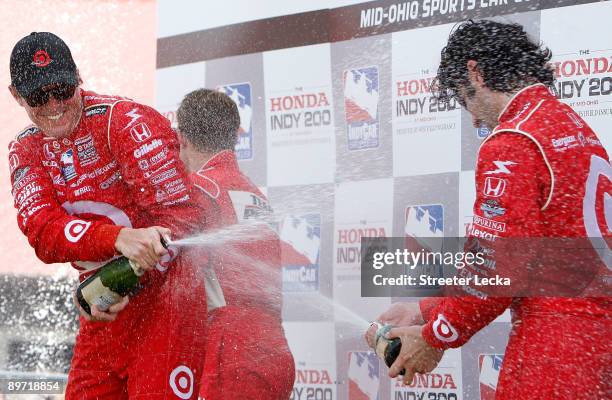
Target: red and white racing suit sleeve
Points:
(136, 134)
(512, 183)
(54, 235)
(427, 305)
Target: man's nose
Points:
(54, 103)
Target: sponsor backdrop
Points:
(339, 128)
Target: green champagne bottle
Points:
(107, 286)
(387, 349)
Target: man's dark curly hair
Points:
(209, 120)
(507, 59)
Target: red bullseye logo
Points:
(181, 382)
(597, 207)
(74, 230)
(13, 162)
(443, 330)
(41, 59)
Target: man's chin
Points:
(57, 129)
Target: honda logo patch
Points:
(494, 187)
(140, 132)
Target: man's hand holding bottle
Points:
(143, 246)
(102, 296)
(414, 354)
(399, 314)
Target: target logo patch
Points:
(181, 382)
(13, 162)
(597, 207)
(41, 59)
(74, 230)
(443, 330)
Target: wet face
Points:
(56, 109)
(480, 107)
(480, 101)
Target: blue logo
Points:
(425, 220)
(424, 228)
(240, 93)
(482, 132)
(300, 245)
(363, 375)
(361, 88)
(67, 162)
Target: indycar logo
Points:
(490, 367)
(240, 93)
(363, 375)
(361, 94)
(300, 245)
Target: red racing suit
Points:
(247, 355)
(541, 173)
(119, 167)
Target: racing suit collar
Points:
(224, 159)
(522, 100)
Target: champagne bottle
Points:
(387, 349)
(109, 284)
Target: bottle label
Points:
(138, 271)
(381, 341)
(95, 293)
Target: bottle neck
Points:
(138, 270)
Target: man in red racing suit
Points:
(91, 171)
(247, 355)
(559, 347)
(541, 173)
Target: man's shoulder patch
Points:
(99, 109)
(29, 131)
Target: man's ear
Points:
(79, 79)
(474, 73)
(180, 137)
(183, 142)
(16, 95)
